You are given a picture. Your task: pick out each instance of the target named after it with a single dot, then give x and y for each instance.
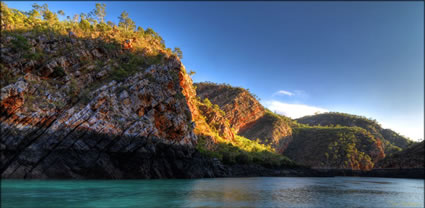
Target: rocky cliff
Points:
(240, 106)
(246, 115)
(77, 112)
(85, 108)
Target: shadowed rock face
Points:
(88, 154)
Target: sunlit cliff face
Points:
(152, 102)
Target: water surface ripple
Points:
(217, 192)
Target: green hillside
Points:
(391, 140)
(335, 147)
(412, 157)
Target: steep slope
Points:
(212, 121)
(412, 157)
(392, 141)
(337, 147)
(246, 115)
(270, 129)
(216, 139)
(75, 115)
(239, 105)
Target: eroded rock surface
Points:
(68, 116)
(240, 106)
(247, 116)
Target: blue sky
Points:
(364, 58)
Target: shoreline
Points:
(417, 173)
(253, 170)
(103, 156)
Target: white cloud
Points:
(283, 92)
(292, 110)
(412, 130)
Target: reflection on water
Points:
(219, 192)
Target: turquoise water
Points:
(218, 192)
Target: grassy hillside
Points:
(270, 129)
(392, 141)
(335, 147)
(217, 139)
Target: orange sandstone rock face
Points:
(156, 101)
(75, 115)
(188, 91)
(216, 120)
(203, 117)
(12, 97)
(243, 110)
(240, 106)
(246, 115)
(379, 153)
